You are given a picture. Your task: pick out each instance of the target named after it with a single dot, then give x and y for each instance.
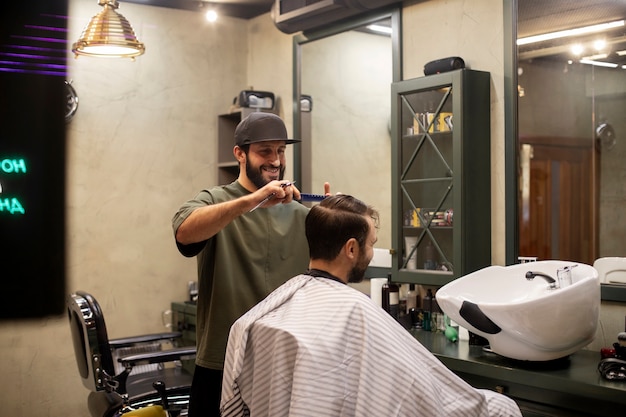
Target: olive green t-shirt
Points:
(241, 265)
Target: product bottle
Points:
(437, 317)
(391, 298)
(411, 298)
(427, 304)
(402, 309)
(430, 257)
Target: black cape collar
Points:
(318, 273)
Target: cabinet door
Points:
(426, 182)
(441, 151)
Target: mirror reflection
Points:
(572, 130)
(348, 76)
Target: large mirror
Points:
(347, 71)
(571, 129)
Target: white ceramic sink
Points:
(526, 319)
(611, 270)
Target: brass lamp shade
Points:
(108, 34)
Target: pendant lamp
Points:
(108, 35)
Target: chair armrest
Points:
(161, 356)
(146, 338)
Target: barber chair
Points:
(147, 381)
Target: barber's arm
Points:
(205, 222)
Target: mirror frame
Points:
(510, 101)
(511, 142)
(394, 13)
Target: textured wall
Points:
(141, 143)
(349, 77)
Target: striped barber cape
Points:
(317, 347)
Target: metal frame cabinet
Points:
(441, 186)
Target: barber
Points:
(248, 237)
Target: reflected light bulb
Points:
(599, 45)
(211, 16)
(577, 49)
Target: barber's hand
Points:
(327, 189)
(276, 192)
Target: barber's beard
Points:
(255, 174)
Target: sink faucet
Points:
(565, 275)
(530, 275)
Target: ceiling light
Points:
(598, 63)
(595, 57)
(577, 49)
(211, 15)
(382, 29)
(108, 35)
(599, 45)
(570, 32)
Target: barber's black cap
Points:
(261, 127)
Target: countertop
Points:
(572, 383)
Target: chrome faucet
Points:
(530, 275)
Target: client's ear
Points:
(352, 248)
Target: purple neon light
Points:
(56, 16)
(31, 63)
(30, 56)
(38, 72)
(21, 63)
(40, 39)
(37, 48)
(51, 28)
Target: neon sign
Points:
(11, 168)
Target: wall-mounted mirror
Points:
(347, 71)
(572, 129)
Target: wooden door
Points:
(557, 199)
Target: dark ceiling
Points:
(243, 9)
(534, 17)
(541, 16)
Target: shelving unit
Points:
(227, 166)
(441, 186)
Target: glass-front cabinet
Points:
(441, 185)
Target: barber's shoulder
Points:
(295, 207)
(221, 193)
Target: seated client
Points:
(316, 346)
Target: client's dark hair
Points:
(330, 224)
